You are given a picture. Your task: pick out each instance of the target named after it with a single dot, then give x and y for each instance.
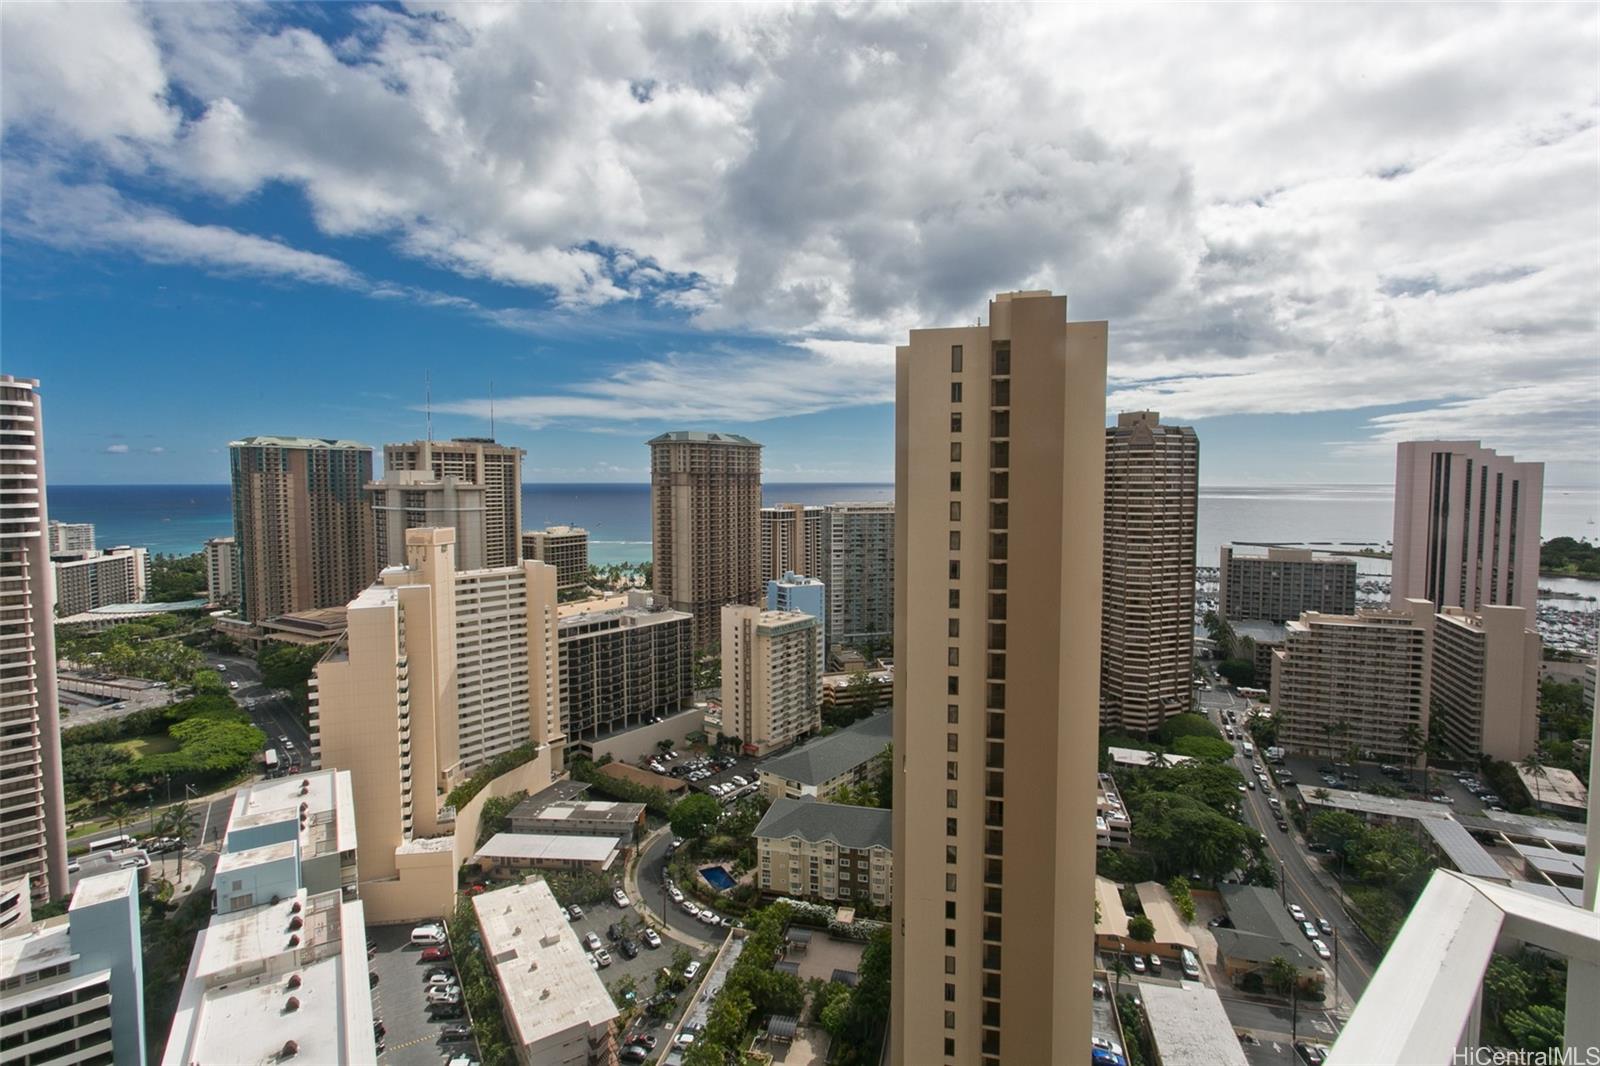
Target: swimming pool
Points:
(718, 877)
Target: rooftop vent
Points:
(292, 1003)
(294, 981)
(296, 908)
(304, 807)
(290, 1050)
(296, 922)
(294, 940)
(544, 993)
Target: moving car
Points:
(1325, 925)
(1309, 930)
(644, 1040)
(1321, 949)
(1297, 912)
(634, 1053)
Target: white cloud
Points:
(1280, 209)
(117, 449)
(158, 450)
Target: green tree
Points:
(1203, 748)
(883, 778)
(1239, 672)
(1414, 740)
(174, 578)
(693, 817)
(1538, 1027)
(1179, 888)
(1281, 974)
(1533, 764)
(1141, 929)
(289, 666)
(836, 1012)
(1119, 970)
(1505, 987)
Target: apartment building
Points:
(623, 665)
(91, 579)
(793, 538)
(1486, 681)
(33, 824)
(859, 574)
(1152, 490)
(279, 972)
(1466, 526)
(1283, 584)
(558, 1012)
(1113, 825)
(794, 592)
(72, 987)
(439, 671)
(494, 468)
(1356, 682)
(995, 724)
(771, 672)
(832, 852)
(564, 547)
(593, 818)
(71, 537)
(705, 503)
(221, 557)
(819, 768)
(416, 499)
(302, 523)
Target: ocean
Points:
(176, 519)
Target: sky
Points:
(1315, 230)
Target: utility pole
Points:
(1336, 967)
(1283, 885)
(1294, 1013)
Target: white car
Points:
(741, 782)
(1321, 949)
(442, 980)
(710, 917)
(621, 897)
(691, 971)
(675, 895)
(603, 957)
(446, 994)
(428, 934)
(1297, 912)
(690, 909)
(652, 938)
(591, 940)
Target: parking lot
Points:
(598, 919)
(412, 1038)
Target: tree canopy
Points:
(694, 817)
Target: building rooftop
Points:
(298, 442)
(815, 822)
(1113, 916)
(257, 982)
(1159, 908)
(1257, 910)
(324, 797)
(1261, 949)
(46, 945)
(1464, 853)
(1449, 835)
(1366, 803)
(696, 436)
(1189, 1025)
(1554, 786)
(549, 847)
(1140, 757)
(540, 806)
(824, 758)
(618, 609)
(103, 888)
(1551, 862)
(545, 981)
(1550, 830)
(624, 772)
(562, 531)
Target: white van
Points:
(1249, 748)
(428, 934)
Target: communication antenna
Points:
(491, 408)
(428, 400)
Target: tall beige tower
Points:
(496, 469)
(1466, 526)
(999, 466)
(705, 503)
(33, 826)
(1147, 615)
(302, 523)
(793, 540)
(771, 676)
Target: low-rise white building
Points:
(557, 1010)
(1113, 825)
(509, 853)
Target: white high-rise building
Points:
(859, 574)
(771, 693)
(221, 554)
(71, 536)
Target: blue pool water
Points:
(718, 877)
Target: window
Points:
(955, 359)
(955, 422)
(949, 938)
(955, 540)
(955, 627)
(952, 713)
(949, 1048)
(955, 569)
(950, 854)
(950, 830)
(955, 392)
(955, 481)
(953, 686)
(955, 598)
(955, 510)
(949, 964)
(953, 656)
(949, 1019)
(950, 771)
(949, 993)
(955, 451)
(950, 909)
(950, 742)
(950, 798)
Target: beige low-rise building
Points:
(564, 547)
(771, 670)
(1357, 683)
(826, 851)
(511, 854)
(557, 1010)
(819, 768)
(1486, 681)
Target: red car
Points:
(435, 954)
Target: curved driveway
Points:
(652, 893)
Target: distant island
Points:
(1565, 557)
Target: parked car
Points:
(1138, 964)
(629, 949)
(431, 933)
(633, 1053)
(445, 994)
(690, 909)
(1310, 1054)
(437, 953)
(741, 782)
(1155, 963)
(603, 957)
(691, 971)
(652, 938)
(444, 1012)
(621, 897)
(575, 913)
(674, 894)
(441, 980)
(614, 931)
(644, 1040)
(591, 940)
(1309, 930)
(432, 971)
(456, 1032)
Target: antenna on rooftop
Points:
(491, 408)
(428, 401)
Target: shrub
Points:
(503, 763)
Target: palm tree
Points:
(1533, 764)
(1159, 760)
(1413, 738)
(1281, 974)
(1119, 969)
(1353, 753)
(118, 813)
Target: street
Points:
(272, 711)
(653, 895)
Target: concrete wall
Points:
(631, 744)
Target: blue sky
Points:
(1334, 232)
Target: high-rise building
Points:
(995, 698)
(705, 502)
(1356, 682)
(222, 559)
(33, 824)
(415, 499)
(793, 537)
(1147, 614)
(276, 974)
(625, 661)
(71, 536)
(859, 573)
(495, 468)
(795, 592)
(302, 523)
(1466, 526)
(564, 547)
(1486, 681)
(1284, 584)
(438, 672)
(72, 987)
(771, 676)
(86, 580)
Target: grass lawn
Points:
(152, 744)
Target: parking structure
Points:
(412, 1037)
